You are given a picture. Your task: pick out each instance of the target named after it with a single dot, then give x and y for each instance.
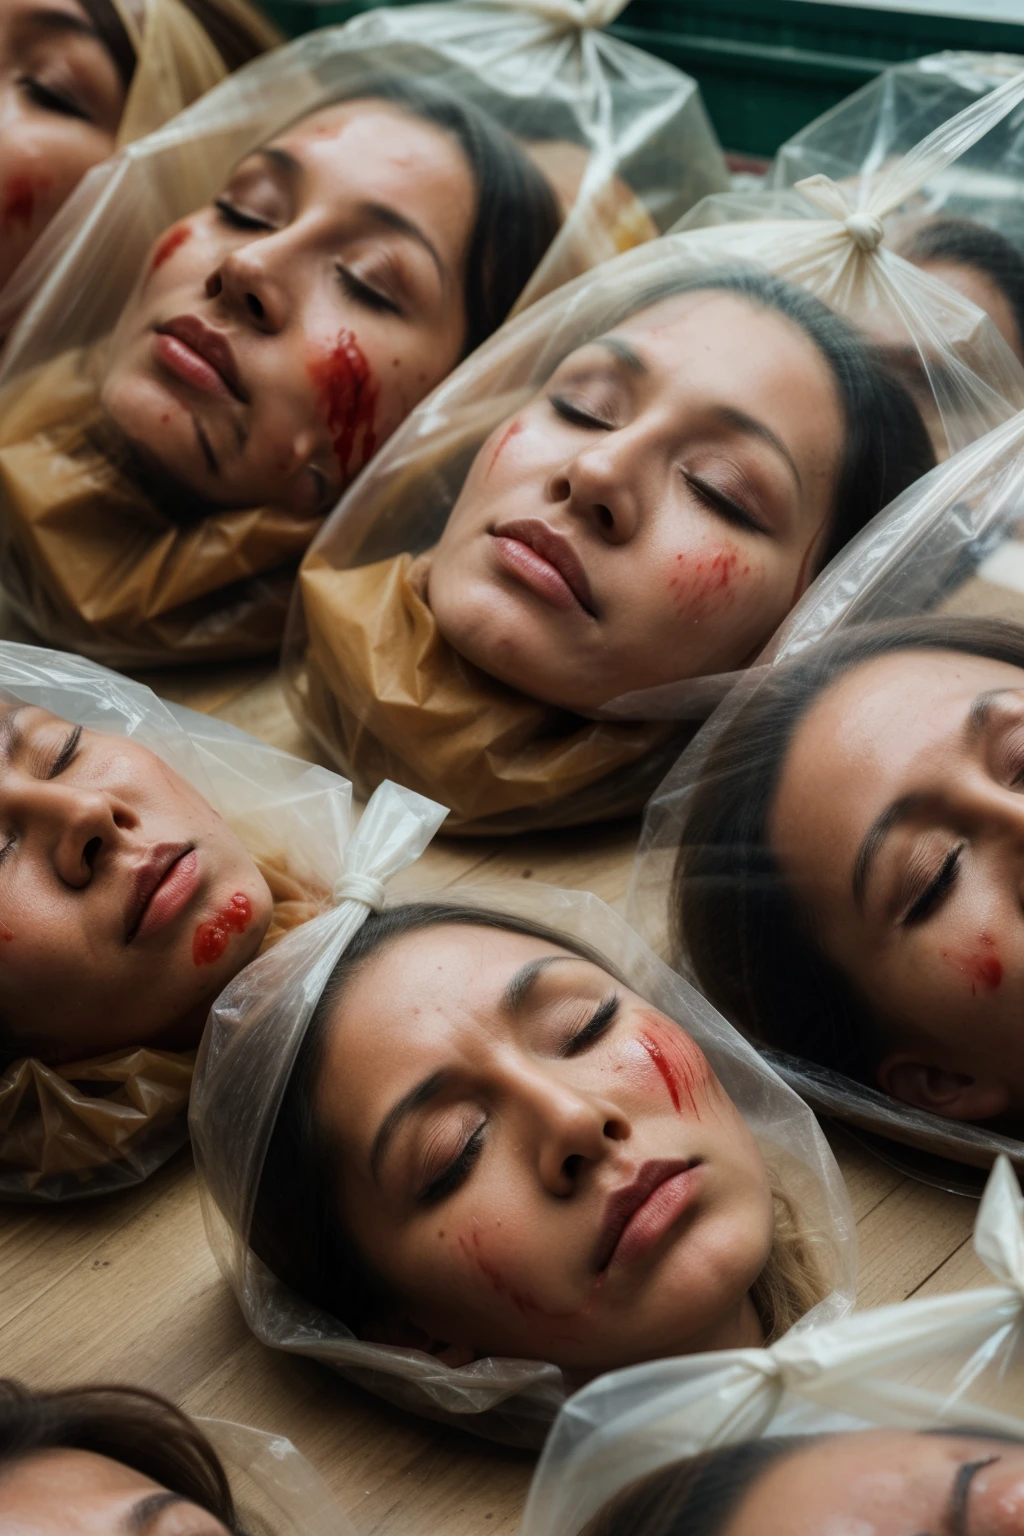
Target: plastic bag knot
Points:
(865, 230)
(356, 887)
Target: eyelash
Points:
(577, 417)
(67, 754)
(600, 1022)
(941, 886)
(236, 218)
(52, 101)
(723, 505)
(361, 293)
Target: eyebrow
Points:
(10, 733)
(980, 713)
(518, 988)
(754, 428)
(407, 1105)
(141, 1515)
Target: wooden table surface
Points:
(125, 1289)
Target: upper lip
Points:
(628, 1199)
(557, 550)
(210, 344)
(146, 878)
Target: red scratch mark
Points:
(211, 937)
(678, 1059)
(509, 433)
(523, 1300)
(984, 970)
(700, 579)
(172, 241)
(20, 200)
(349, 396)
(5, 933)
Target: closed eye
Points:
(578, 417)
(598, 1025)
(732, 511)
(937, 890)
(362, 293)
(52, 101)
(67, 753)
(237, 219)
(457, 1172)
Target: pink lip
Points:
(544, 561)
(199, 355)
(162, 886)
(638, 1215)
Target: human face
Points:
(537, 1162)
(899, 821)
(652, 513)
(61, 99)
(277, 337)
(982, 291)
(77, 1493)
(126, 905)
(889, 1483)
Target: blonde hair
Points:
(794, 1279)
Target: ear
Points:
(404, 1333)
(955, 1095)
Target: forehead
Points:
(712, 313)
(370, 123)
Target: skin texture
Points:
(61, 100)
(680, 585)
(76, 1493)
(71, 841)
(981, 290)
(311, 270)
(943, 971)
(505, 1263)
(889, 1483)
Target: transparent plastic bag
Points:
(176, 62)
(948, 1361)
(883, 121)
(368, 671)
(101, 1124)
(87, 557)
(274, 1486)
(247, 1054)
(950, 546)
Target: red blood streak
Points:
(211, 937)
(349, 396)
(173, 240)
(506, 437)
(522, 1299)
(984, 970)
(20, 200)
(680, 1061)
(700, 579)
(5, 933)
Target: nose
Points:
(252, 285)
(77, 827)
(569, 1129)
(599, 484)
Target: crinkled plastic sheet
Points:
(99, 1125)
(951, 544)
(86, 559)
(884, 120)
(176, 62)
(367, 674)
(275, 1488)
(943, 1361)
(248, 1050)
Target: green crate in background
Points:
(765, 67)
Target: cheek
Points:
(512, 430)
(492, 1258)
(170, 242)
(708, 580)
(346, 392)
(211, 938)
(978, 965)
(667, 1063)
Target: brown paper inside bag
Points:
(394, 700)
(54, 1122)
(92, 564)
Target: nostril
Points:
(90, 852)
(605, 518)
(214, 286)
(572, 1166)
(254, 306)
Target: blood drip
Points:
(211, 937)
(679, 1060)
(349, 395)
(19, 202)
(509, 432)
(171, 242)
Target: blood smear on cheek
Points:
(20, 200)
(509, 433)
(349, 396)
(694, 582)
(173, 241)
(211, 938)
(984, 969)
(679, 1061)
(521, 1299)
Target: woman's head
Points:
(120, 1459)
(65, 70)
(850, 877)
(884, 1482)
(279, 335)
(978, 262)
(657, 508)
(489, 1145)
(126, 904)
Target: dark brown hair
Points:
(238, 31)
(965, 243)
(126, 1424)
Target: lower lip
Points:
(171, 896)
(187, 364)
(659, 1212)
(535, 572)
